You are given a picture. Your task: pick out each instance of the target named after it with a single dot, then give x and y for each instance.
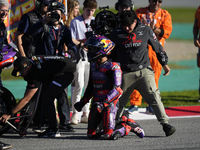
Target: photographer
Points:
(55, 34)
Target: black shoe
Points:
(168, 129)
(67, 128)
(4, 146)
(116, 135)
(50, 133)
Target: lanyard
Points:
(86, 25)
(56, 38)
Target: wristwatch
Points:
(154, 28)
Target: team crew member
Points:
(55, 73)
(160, 22)
(131, 51)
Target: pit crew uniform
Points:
(104, 87)
(162, 20)
(131, 51)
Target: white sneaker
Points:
(84, 119)
(74, 119)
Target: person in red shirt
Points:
(161, 23)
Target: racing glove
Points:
(79, 105)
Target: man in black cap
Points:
(55, 73)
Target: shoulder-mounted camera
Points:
(105, 22)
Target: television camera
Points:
(105, 22)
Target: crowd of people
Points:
(108, 71)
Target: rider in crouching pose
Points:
(104, 86)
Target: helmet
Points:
(99, 46)
(56, 5)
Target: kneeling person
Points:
(104, 86)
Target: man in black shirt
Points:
(131, 51)
(55, 74)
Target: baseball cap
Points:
(46, 2)
(20, 64)
(127, 3)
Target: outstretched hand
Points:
(167, 70)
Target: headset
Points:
(117, 5)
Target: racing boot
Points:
(116, 135)
(135, 128)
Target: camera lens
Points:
(55, 16)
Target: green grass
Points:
(6, 75)
(177, 98)
(179, 15)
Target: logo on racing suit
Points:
(132, 42)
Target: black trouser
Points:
(63, 108)
(52, 90)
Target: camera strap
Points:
(57, 38)
(86, 25)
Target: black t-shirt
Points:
(49, 69)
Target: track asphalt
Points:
(186, 137)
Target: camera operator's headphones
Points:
(118, 3)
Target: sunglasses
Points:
(159, 1)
